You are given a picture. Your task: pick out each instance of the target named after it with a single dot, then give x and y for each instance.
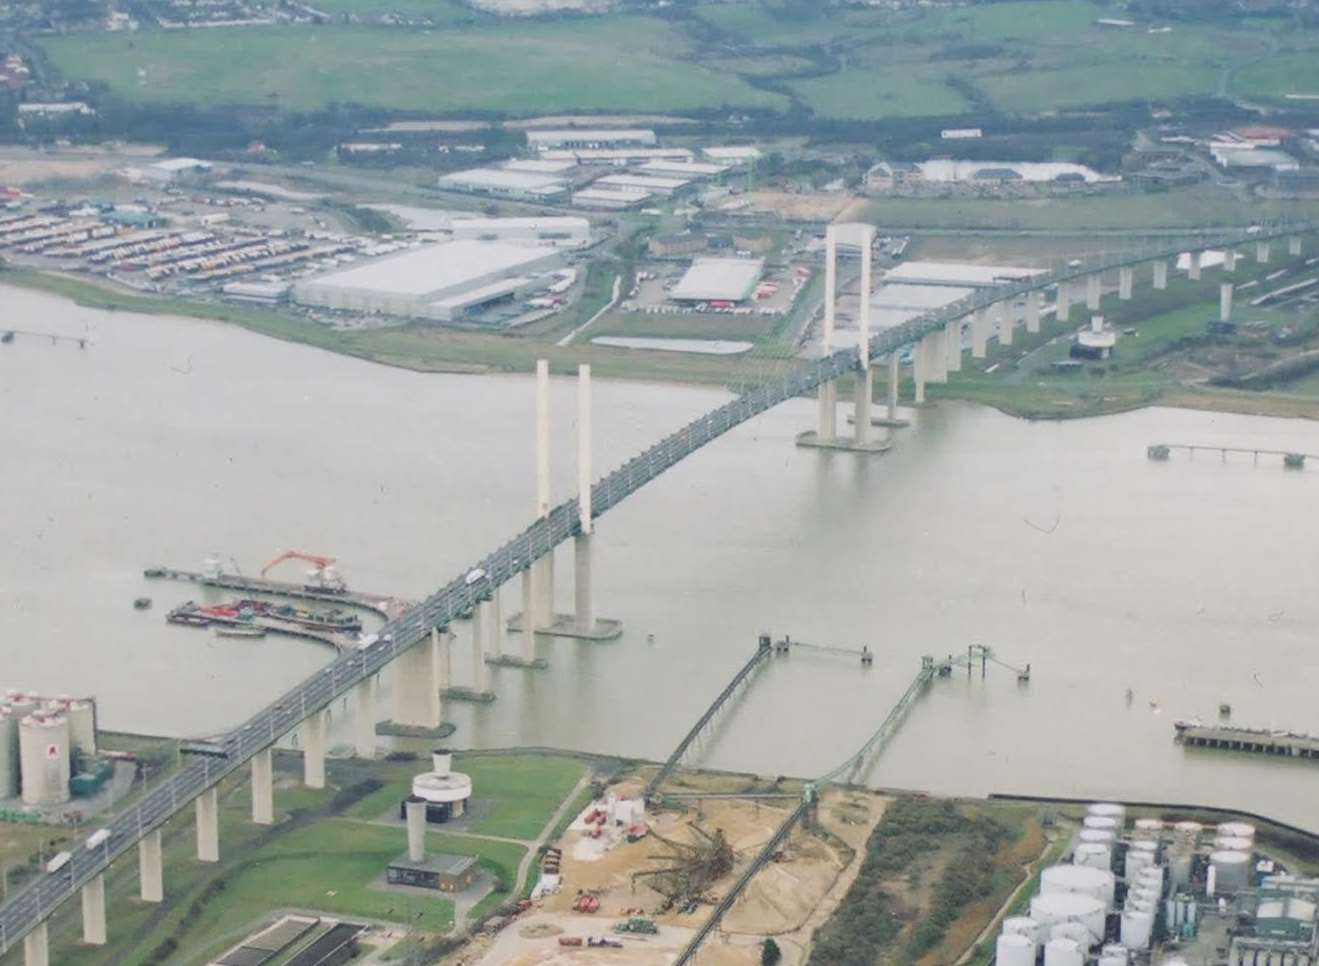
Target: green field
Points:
(1016, 56)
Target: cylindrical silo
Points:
(82, 727)
(1075, 931)
(1093, 855)
(1023, 926)
(1015, 950)
(1109, 810)
(415, 811)
(1231, 871)
(1134, 863)
(1109, 960)
(1102, 822)
(1063, 952)
(1114, 950)
(1152, 876)
(1098, 836)
(442, 761)
(9, 754)
(44, 753)
(1147, 828)
(1053, 908)
(1241, 830)
(1137, 927)
(1080, 880)
(22, 704)
(1233, 843)
(1187, 832)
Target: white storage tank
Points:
(44, 753)
(9, 754)
(82, 727)
(1063, 952)
(1080, 880)
(1240, 830)
(1103, 822)
(1137, 928)
(1093, 855)
(1231, 871)
(1115, 952)
(1053, 908)
(1108, 810)
(1233, 843)
(1075, 931)
(1098, 836)
(1023, 926)
(1147, 828)
(1106, 959)
(1135, 862)
(1187, 832)
(1014, 949)
(1152, 876)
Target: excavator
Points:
(323, 575)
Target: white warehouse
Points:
(557, 232)
(590, 138)
(442, 282)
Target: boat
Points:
(244, 632)
(141, 603)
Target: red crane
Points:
(324, 575)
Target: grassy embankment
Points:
(326, 854)
(1017, 56)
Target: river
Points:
(1059, 544)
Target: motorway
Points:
(28, 907)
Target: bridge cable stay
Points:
(26, 908)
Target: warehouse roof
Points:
(722, 279)
(956, 273)
(497, 178)
(616, 154)
(694, 169)
(922, 297)
(434, 268)
(591, 135)
(552, 223)
(645, 182)
(561, 166)
(748, 152)
(180, 164)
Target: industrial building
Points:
(176, 169)
(504, 183)
(1231, 154)
(739, 154)
(618, 156)
(610, 199)
(690, 170)
(719, 280)
(650, 184)
(960, 274)
(590, 138)
(561, 232)
(443, 282)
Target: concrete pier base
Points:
(1125, 276)
(1006, 312)
(952, 343)
(1230, 260)
(93, 911)
(1094, 291)
(460, 693)
(1193, 266)
(1160, 274)
(36, 947)
(313, 748)
(847, 444)
(1032, 312)
(1294, 245)
(828, 421)
(1063, 305)
(1261, 251)
(561, 625)
(263, 787)
(364, 718)
(979, 334)
(150, 868)
(207, 807)
(1225, 301)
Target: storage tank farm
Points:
(1127, 888)
(41, 739)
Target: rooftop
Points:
(648, 182)
(719, 279)
(434, 268)
(498, 178)
(179, 164)
(551, 223)
(595, 135)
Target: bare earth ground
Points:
(800, 207)
(788, 899)
(20, 166)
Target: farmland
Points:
(1017, 56)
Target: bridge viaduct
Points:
(416, 645)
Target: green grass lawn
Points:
(611, 63)
(1274, 77)
(441, 12)
(887, 90)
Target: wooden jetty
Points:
(1291, 459)
(387, 607)
(1259, 741)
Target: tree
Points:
(770, 953)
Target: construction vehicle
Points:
(570, 940)
(637, 926)
(586, 903)
(323, 576)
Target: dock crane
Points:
(322, 576)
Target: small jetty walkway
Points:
(388, 607)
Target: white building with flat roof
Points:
(562, 232)
(591, 138)
(175, 169)
(651, 183)
(735, 154)
(441, 282)
(962, 274)
(528, 185)
(684, 169)
(719, 280)
(610, 199)
(618, 156)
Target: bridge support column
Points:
(313, 748)
(545, 588)
(1006, 312)
(1125, 276)
(1033, 312)
(1094, 291)
(36, 947)
(1063, 306)
(1193, 266)
(894, 377)
(207, 806)
(263, 787)
(1225, 301)
(1294, 245)
(979, 334)
(417, 686)
(936, 356)
(150, 868)
(364, 718)
(1262, 251)
(952, 341)
(1229, 259)
(919, 367)
(93, 911)
(865, 385)
(1160, 274)
(583, 615)
(828, 425)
